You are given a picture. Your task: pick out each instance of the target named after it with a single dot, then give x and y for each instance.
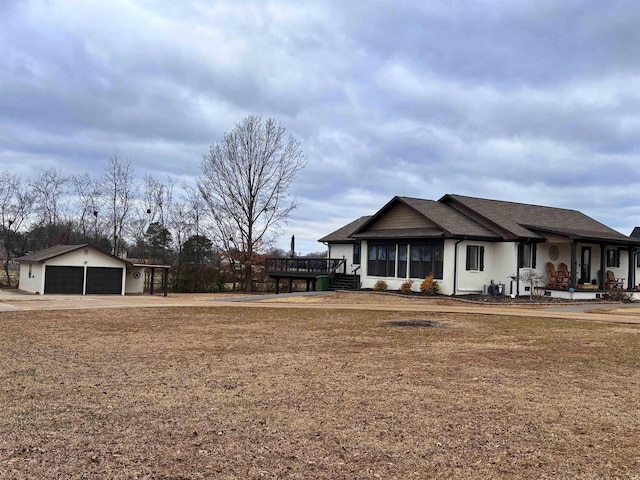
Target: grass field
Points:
(292, 393)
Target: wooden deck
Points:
(308, 269)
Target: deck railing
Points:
(319, 266)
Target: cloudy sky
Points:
(532, 101)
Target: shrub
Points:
(406, 286)
(429, 286)
(380, 286)
(617, 296)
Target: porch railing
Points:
(319, 266)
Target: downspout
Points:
(455, 265)
(518, 270)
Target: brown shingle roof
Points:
(450, 220)
(401, 233)
(521, 220)
(460, 216)
(343, 233)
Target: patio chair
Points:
(612, 282)
(557, 279)
(564, 277)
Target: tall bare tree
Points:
(16, 207)
(87, 202)
(119, 192)
(245, 181)
(49, 191)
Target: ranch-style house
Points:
(475, 245)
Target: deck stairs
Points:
(345, 281)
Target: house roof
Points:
(636, 232)
(343, 235)
(57, 250)
(526, 221)
(458, 216)
(445, 222)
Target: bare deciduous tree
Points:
(16, 206)
(119, 191)
(245, 181)
(49, 190)
(88, 202)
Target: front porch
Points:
(586, 269)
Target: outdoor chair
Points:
(612, 282)
(552, 275)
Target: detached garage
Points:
(73, 269)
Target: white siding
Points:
(133, 284)
(344, 250)
(85, 256)
(31, 283)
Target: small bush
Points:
(406, 286)
(380, 286)
(429, 286)
(617, 296)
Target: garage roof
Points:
(57, 250)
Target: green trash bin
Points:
(322, 283)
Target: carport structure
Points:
(73, 269)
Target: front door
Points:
(585, 269)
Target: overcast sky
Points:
(524, 100)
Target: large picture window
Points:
(426, 259)
(381, 260)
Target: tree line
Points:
(233, 214)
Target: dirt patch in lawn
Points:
(294, 393)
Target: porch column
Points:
(165, 280)
(153, 274)
(574, 265)
(631, 281)
(603, 259)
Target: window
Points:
(613, 258)
(427, 259)
(638, 260)
(356, 254)
(381, 260)
(475, 257)
(527, 255)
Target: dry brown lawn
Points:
(293, 393)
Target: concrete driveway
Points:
(13, 300)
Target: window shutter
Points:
(481, 259)
(468, 257)
(534, 248)
(617, 258)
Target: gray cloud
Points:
(533, 101)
